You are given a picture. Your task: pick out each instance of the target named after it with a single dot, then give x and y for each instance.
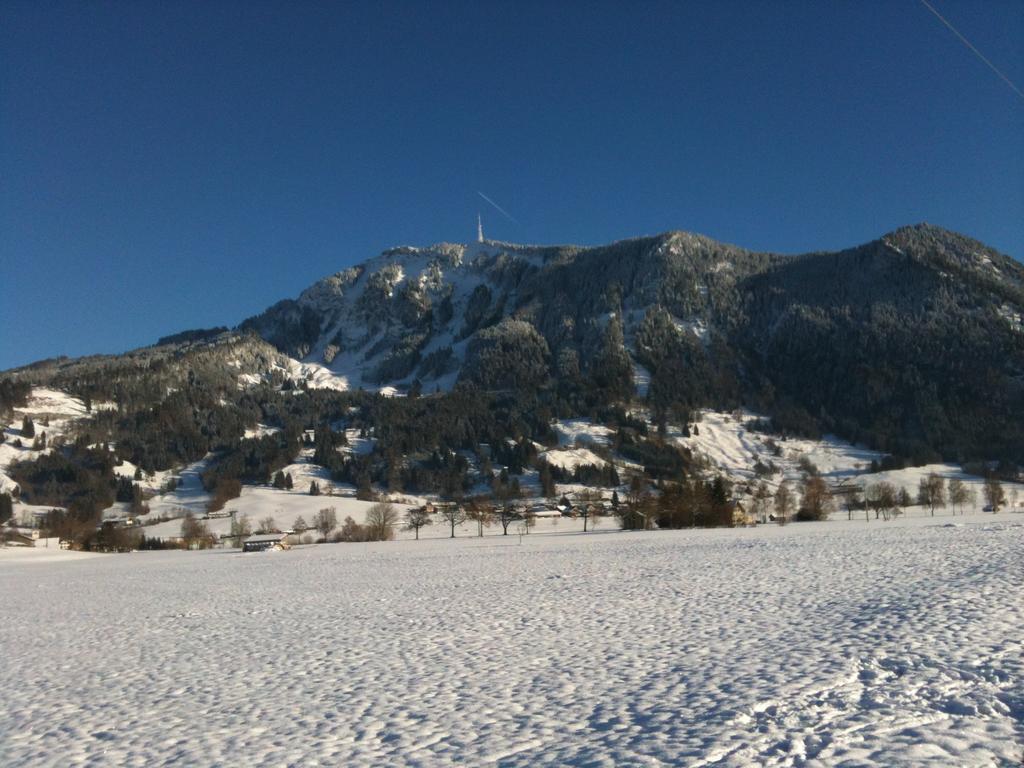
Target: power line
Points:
(977, 53)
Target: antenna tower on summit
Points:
(479, 229)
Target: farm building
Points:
(13, 537)
(266, 541)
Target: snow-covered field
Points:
(812, 644)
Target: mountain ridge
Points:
(912, 342)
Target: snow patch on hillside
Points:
(1012, 316)
(693, 327)
(53, 412)
(188, 496)
(580, 431)
(570, 458)
(729, 445)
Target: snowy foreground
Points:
(815, 644)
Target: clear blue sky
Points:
(169, 165)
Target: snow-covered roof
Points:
(261, 537)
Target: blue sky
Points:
(175, 165)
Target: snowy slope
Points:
(365, 311)
(814, 644)
(732, 448)
(44, 405)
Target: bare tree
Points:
(325, 521)
(416, 518)
(931, 492)
(453, 514)
(381, 520)
(816, 499)
(479, 511)
(783, 503)
(762, 500)
(240, 528)
(529, 520)
(195, 533)
(958, 495)
(903, 500)
(351, 531)
(872, 500)
(854, 499)
(588, 505)
(882, 498)
(506, 514)
(994, 495)
(267, 525)
(588, 511)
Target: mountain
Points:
(913, 343)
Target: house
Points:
(544, 513)
(12, 537)
(542, 510)
(263, 542)
(847, 493)
(740, 516)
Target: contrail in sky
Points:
(976, 52)
(505, 213)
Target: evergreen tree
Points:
(720, 490)
(612, 369)
(6, 508)
(28, 427)
(547, 482)
(364, 487)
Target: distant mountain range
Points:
(912, 343)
